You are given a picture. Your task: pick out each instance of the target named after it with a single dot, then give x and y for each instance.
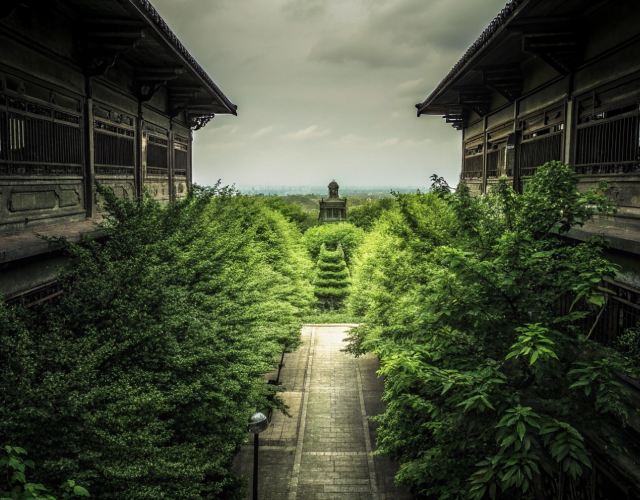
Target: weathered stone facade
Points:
(90, 93)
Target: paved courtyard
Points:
(324, 450)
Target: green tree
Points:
(330, 235)
(293, 212)
(489, 385)
(332, 279)
(139, 381)
(366, 215)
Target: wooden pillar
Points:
(483, 187)
(171, 164)
(569, 126)
(464, 139)
(89, 157)
(515, 171)
(570, 122)
(139, 156)
(517, 184)
(190, 162)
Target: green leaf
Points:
(80, 491)
(521, 429)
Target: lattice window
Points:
(473, 158)
(542, 138)
(157, 159)
(608, 134)
(113, 142)
(157, 150)
(38, 139)
(181, 157)
(114, 149)
(493, 162)
(497, 150)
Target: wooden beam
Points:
(475, 97)
(456, 118)
(560, 49)
(138, 33)
(7, 7)
(111, 21)
(111, 46)
(150, 79)
(103, 41)
(506, 80)
(185, 88)
(176, 70)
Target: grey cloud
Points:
(370, 52)
(304, 9)
(410, 88)
(402, 32)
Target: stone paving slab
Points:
(324, 450)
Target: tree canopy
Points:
(366, 215)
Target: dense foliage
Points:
(15, 469)
(332, 280)
(292, 211)
(490, 385)
(344, 234)
(139, 381)
(366, 215)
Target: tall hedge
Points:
(332, 279)
(138, 383)
(490, 387)
(346, 235)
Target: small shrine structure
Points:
(334, 208)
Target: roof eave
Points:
(147, 11)
(496, 27)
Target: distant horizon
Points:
(317, 189)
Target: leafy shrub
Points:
(138, 383)
(15, 486)
(488, 386)
(366, 215)
(629, 344)
(346, 235)
(293, 212)
(332, 279)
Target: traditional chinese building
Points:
(90, 92)
(550, 80)
(334, 208)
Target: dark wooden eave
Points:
(546, 29)
(134, 31)
(491, 32)
(162, 30)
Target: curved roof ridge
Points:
(485, 37)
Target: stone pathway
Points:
(324, 450)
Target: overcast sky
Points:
(326, 88)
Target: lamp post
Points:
(257, 423)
